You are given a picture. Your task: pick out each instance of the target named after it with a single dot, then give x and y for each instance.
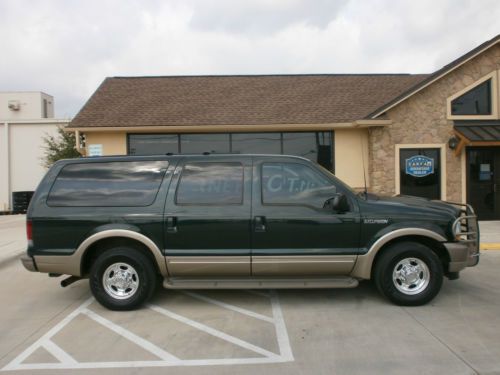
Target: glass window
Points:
(107, 184)
(474, 102)
(211, 184)
(420, 172)
(199, 143)
(256, 143)
(293, 183)
(153, 144)
(315, 146)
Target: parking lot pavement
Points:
(45, 329)
(12, 236)
(490, 235)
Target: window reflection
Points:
(153, 144)
(200, 143)
(211, 184)
(107, 184)
(256, 143)
(291, 183)
(315, 146)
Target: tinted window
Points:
(315, 146)
(153, 144)
(211, 184)
(107, 184)
(256, 143)
(474, 102)
(426, 182)
(199, 143)
(291, 183)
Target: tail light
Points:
(29, 230)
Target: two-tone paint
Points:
(251, 240)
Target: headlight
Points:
(457, 228)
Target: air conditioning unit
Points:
(14, 105)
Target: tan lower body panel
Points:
(302, 265)
(208, 265)
(63, 264)
(260, 283)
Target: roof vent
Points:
(14, 105)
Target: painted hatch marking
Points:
(165, 359)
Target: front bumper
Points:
(462, 255)
(29, 263)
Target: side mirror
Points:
(338, 203)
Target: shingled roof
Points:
(239, 100)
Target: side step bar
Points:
(254, 283)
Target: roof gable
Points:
(430, 79)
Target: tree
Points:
(60, 146)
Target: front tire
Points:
(122, 278)
(408, 274)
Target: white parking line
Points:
(229, 306)
(150, 347)
(58, 353)
(212, 331)
(66, 361)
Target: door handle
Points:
(171, 224)
(259, 224)
(494, 188)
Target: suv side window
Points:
(210, 183)
(294, 183)
(109, 184)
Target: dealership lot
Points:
(47, 329)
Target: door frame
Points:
(442, 164)
(495, 149)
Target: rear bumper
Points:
(462, 255)
(29, 263)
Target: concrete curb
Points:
(490, 246)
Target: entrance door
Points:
(483, 185)
(420, 172)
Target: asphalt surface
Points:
(46, 329)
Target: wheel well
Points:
(99, 247)
(436, 246)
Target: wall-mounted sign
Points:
(94, 150)
(419, 166)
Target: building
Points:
(432, 135)
(25, 118)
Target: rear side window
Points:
(107, 184)
(211, 184)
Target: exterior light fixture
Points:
(453, 143)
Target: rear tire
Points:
(122, 278)
(408, 274)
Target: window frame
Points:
(494, 96)
(179, 180)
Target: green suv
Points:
(237, 221)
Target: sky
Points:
(67, 47)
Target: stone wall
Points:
(421, 119)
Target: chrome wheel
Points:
(120, 280)
(411, 276)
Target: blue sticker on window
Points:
(419, 166)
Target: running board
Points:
(255, 283)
